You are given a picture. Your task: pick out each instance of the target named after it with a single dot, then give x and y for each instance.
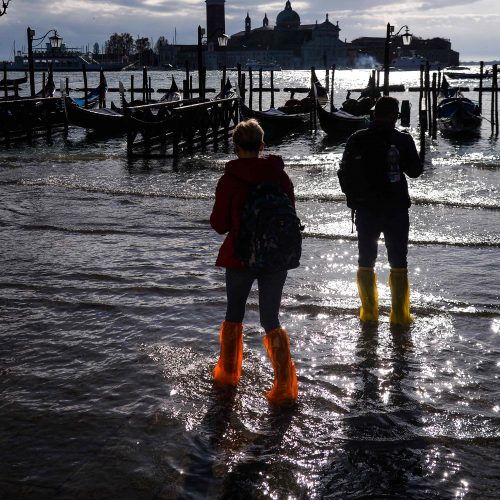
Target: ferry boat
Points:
(263, 65)
(61, 59)
(409, 63)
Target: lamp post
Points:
(222, 41)
(3, 8)
(55, 43)
(389, 35)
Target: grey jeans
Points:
(238, 285)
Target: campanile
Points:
(216, 22)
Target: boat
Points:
(12, 82)
(410, 63)
(458, 75)
(227, 92)
(456, 114)
(276, 123)
(172, 94)
(92, 96)
(262, 65)
(100, 120)
(297, 106)
(49, 88)
(62, 59)
(339, 123)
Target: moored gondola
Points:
(338, 123)
(274, 122)
(456, 114)
(103, 120)
(11, 82)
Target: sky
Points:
(473, 26)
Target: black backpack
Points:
(269, 238)
(363, 171)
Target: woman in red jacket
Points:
(232, 189)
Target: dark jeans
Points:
(238, 285)
(394, 224)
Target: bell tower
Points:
(216, 20)
(248, 25)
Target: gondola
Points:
(12, 82)
(456, 114)
(274, 122)
(92, 96)
(172, 94)
(294, 116)
(298, 106)
(49, 89)
(467, 76)
(339, 123)
(102, 120)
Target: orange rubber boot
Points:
(285, 387)
(227, 371)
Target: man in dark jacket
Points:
(372, 175)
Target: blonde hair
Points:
(248, 135)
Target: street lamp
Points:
(406, 38)
(222, 41)
(3, 8)
(55, 43)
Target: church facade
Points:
(288, 44)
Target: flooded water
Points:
(110, 308)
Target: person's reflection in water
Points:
(200, 480)
(208, 475)
(383, 453)
(248, 479)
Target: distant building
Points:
(371, 49)
(289, 44)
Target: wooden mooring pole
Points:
(272, 89)
(495, 77)
(494, 100)
(481, 75)
(332, 87)
(250, 88)
(422, 114)
(144, 84)
(260, 89)
(428, 104)
(6, 89)
(102, 91)
(85, 86)
(434, 105)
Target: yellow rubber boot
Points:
(285, 388)
(367, 289)
(227, 371)
(400, 292)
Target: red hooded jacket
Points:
(230, 195)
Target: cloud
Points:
(472, 25)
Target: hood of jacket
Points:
(256, 170)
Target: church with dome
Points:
(288, 44)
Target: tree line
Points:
(123, 45)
